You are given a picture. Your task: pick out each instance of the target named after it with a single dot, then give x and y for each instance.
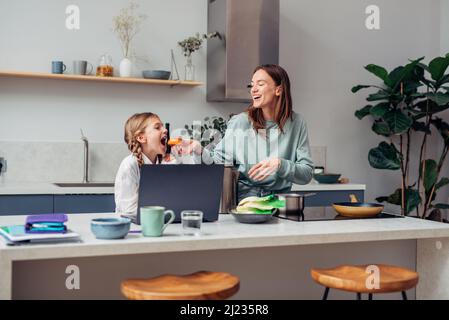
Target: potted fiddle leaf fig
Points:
(405, 109)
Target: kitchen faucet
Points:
(86, 157)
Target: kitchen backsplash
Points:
(63, 161)
(60, 161)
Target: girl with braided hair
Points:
(146, 138)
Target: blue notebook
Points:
(46, 223)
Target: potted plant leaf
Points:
(189, 46)
(405, 109)
(211, 130)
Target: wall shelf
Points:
(37, 75)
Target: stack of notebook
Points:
(39, 228)
(46, 223)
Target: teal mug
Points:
(152, 220)
(57, 67)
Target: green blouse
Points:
(243, 148)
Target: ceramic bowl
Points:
(110, 228)
(243, 217)
(156, 74)
(327, 177)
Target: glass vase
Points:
(189, 70)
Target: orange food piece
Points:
(175, 141)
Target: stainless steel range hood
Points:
(249, 32)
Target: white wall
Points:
(323, 45)
(33, 34)
(444, 49)
(444, 27)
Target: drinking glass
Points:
(191, 222)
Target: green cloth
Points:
(261, 205)
(243, 148)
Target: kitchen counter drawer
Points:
(90, 203)
(35, 204)
(26, 204)
(84, 203)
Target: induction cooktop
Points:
(328, 213)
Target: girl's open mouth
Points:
(164, 141)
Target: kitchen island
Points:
(272, 259)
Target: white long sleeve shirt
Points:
(126, 188)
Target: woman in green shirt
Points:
(268, 143)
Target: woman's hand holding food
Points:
(186, 146)
(264, 169)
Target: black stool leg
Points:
(326, 292)
(370, 296)
(404, 295)
(359, 296)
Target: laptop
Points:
(182, 187)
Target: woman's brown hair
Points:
(134, 126)
(283, 109)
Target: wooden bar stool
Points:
(202, 285)
(353, 279)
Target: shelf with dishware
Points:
(72, 77)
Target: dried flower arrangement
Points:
(127, 25)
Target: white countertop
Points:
(226, 233)
(22, 188)
(314, 186)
